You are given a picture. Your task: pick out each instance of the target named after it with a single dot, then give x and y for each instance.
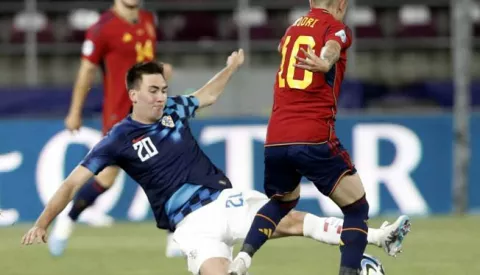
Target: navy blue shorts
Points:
(323, 164)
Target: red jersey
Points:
(305, 103)
(115, 45)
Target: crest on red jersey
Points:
(342, 35)
(127, 37)
(88, 47)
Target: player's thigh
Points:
(241, 208)
(201, 235)
(201, 252)
(107, 177)
(280, 177)
(215, 266)
(348, 190)
(323, 164)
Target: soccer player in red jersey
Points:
(123, 36)
(301, 139)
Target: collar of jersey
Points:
(129, 117)
(319, 10)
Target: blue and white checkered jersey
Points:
(165, 159)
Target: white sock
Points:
(325, 230)
(328, 230)
(373, 236)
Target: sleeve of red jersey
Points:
(93, 48)
(154, 19)
(280, 45)
(339, 32)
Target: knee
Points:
(359, 209)
(286, 203)
(355, 224)
(290, 196)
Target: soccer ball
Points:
(371, 266)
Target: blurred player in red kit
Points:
(123, 36)
(301, 139)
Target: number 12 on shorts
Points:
(234, 201)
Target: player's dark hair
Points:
(136, 72)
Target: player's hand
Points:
(35, 234)
(73, 122)
(311, 62)
(236, 59)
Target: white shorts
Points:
(213, 230)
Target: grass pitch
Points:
(436, 246)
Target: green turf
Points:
(436, 246)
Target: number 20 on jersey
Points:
(145, 149)
(287, 70)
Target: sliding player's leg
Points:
(214, 266)
(206, 257)
(282, 187)
(171, 248)
(203, 237)
(328, 229)
(297, 223)
(86, 197)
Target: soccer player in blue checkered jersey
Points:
(187, 193)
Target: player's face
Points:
(149, 100)
(131, 4)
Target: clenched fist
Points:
(236, 59)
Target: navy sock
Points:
(265, 223)
(86, 196)
(354, 236)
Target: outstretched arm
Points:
(209, 93)
(79, 176)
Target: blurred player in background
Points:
(123, 36)
(301, 139)
(187, 192)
